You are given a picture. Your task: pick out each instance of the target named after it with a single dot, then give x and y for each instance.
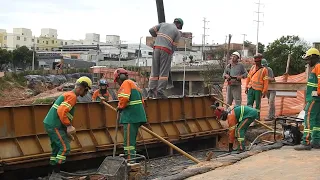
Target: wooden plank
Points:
(287, 86)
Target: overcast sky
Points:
(132, 19)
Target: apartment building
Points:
(48, 40)
(19, 37)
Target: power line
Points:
(258, 24)
(204, 38)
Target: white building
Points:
(19, 37)
(113, 39)
(92, 37)
(48, 32)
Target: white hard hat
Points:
(236, 53)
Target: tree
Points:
(277, 54)
(22, 57)
(5, 58)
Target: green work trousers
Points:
(311, 133)
(241, 130)
(254, 96)
(60, 144)
(130, 136)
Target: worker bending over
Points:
(257, 83)
(131, 109)
(271, 93)
(167, 38)
(58, 122)
(102, 92)
(311, 133)
(233, 73)
(239, 119)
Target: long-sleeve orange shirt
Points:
(232, 122)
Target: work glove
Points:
(119, 109)
(246, 91)
(71, 129)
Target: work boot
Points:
(302, 147)
(151, 94)
(161, 95)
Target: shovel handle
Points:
(160, 138)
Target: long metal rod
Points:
(116, 136)
(160, 138)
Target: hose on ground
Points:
(253, 142)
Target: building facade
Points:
(19, 37)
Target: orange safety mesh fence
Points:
(290, 106)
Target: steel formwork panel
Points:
(23, 138)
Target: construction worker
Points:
(239, 119)
(167, 38)
(131, 109)
(257, 83)
(233, 73)
(102, 92)
(58, 122)
(311, 133)
(271, 93)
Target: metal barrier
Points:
(23, 138)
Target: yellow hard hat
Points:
(85, 81)
(310, 52)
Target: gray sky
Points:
(132, 19)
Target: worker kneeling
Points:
(58, 122)
(131, 109)
(239, 119)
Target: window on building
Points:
(5, 38)
(38, 41)
(46, 49)
(37, 48)
(32, 40)
(52, 41)
(18, 38)
(51, 49)
(56, 41)
(150, 53)
(25, 39)
(22, 34)
(17, 46)
(42, 41)
(65, 43)
(47, 42)
(61, 43)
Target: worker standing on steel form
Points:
(58, 122)
(131, 109)
(271, 93)
(233, 73)
(311, 133)
(167, 38)
(257, 83)
(102, 92)
(239, 119)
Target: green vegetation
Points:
(45, 101)
(277, 55)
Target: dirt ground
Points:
(284, 164)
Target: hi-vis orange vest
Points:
(258, 80)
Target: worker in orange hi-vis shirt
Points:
(58, 123)
(102, 92)
(257, 83)
(131, 109)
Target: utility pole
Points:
(228, 49)
(258, 24)
(120, 52)
(33, 52)
(244, 38)
(139, 52)
(204, 38)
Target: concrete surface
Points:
(284, 164)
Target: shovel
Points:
(115, 139)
